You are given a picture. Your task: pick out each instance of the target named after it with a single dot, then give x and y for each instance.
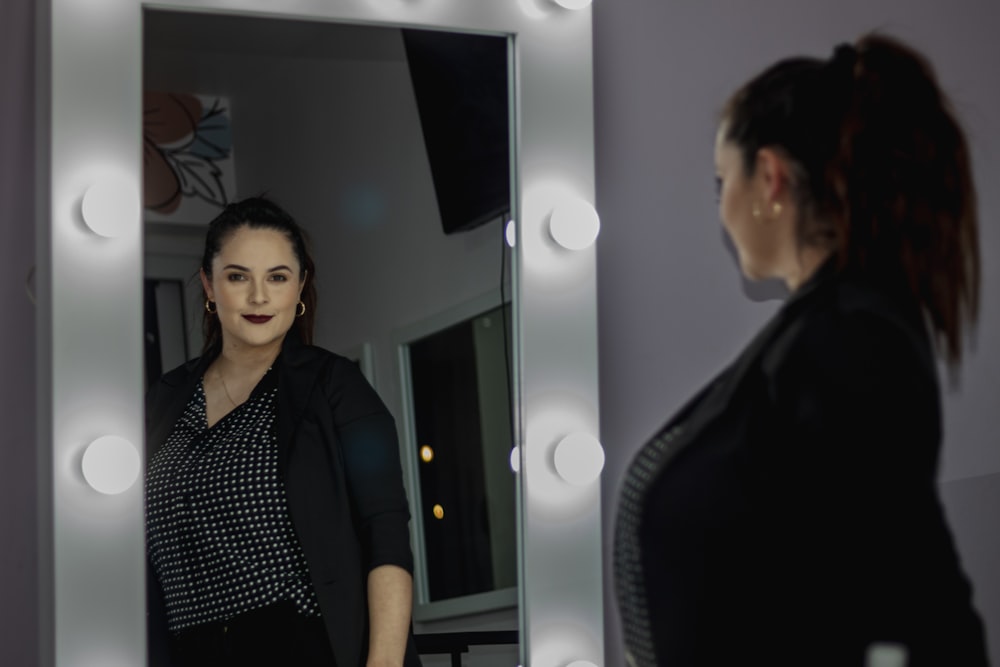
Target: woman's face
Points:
(748, 214)
(256, 287)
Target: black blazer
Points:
(796, 518)
(339, 461)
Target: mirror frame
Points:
(90, 353)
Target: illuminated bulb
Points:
(574, 224)
(573, 4)
(515, 459)
(886, 654)
(438, 512)
(510, 233)
(111, 206)
(579, 458)
(426, 454)
(111, 464)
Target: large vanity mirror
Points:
(326, 118)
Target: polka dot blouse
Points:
(219, 534)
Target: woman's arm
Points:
(370, 450)
(390, 597)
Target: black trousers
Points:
(276, 636)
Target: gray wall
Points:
(672, 306)
(18, 573)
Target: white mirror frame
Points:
(90, 362)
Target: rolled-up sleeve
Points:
(370, 447)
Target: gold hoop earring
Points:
(776, 209)
(755, 211)
(208, 307)
(300, 313)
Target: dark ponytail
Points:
(905, 177)
(259, 213)
(882, 171)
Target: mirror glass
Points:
(391, 147)
(459, 397)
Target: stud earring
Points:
(776, 209)
(755, 211)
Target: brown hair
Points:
(881, 171)
(259, 213)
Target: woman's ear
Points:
(774, 173)
(305, 277)
(206, 285)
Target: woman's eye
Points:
(235, 277)
(279, 278)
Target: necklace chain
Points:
(226, 389)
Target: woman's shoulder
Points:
(181, 373)
(314, 358)
(853, 325)
(337, 374)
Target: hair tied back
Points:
(845, 58)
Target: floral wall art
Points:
(188, 171)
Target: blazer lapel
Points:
(298, 372)
(718, 396)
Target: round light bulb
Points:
(886, 654)
(573, 4)
(111, 206)
(515, 459)
(574, 224)
(510, 233)
(426, 454)
(111, 464)
(579, 458)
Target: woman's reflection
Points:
(276, 514)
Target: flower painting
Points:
(188, 172)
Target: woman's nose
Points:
(258, 292)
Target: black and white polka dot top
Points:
(219, 533)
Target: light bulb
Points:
(111, 206)
(515, 459)
(886, 654)
(510, 233)
(111, 464)
(574, 224)
(579, 458)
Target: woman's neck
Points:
(808, 260)
(246, 361)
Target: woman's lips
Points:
(257, 319)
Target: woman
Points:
(788, 514)
(276, 516)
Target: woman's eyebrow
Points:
(237, 267)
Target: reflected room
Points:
(391, 147)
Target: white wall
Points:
(672, 306)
